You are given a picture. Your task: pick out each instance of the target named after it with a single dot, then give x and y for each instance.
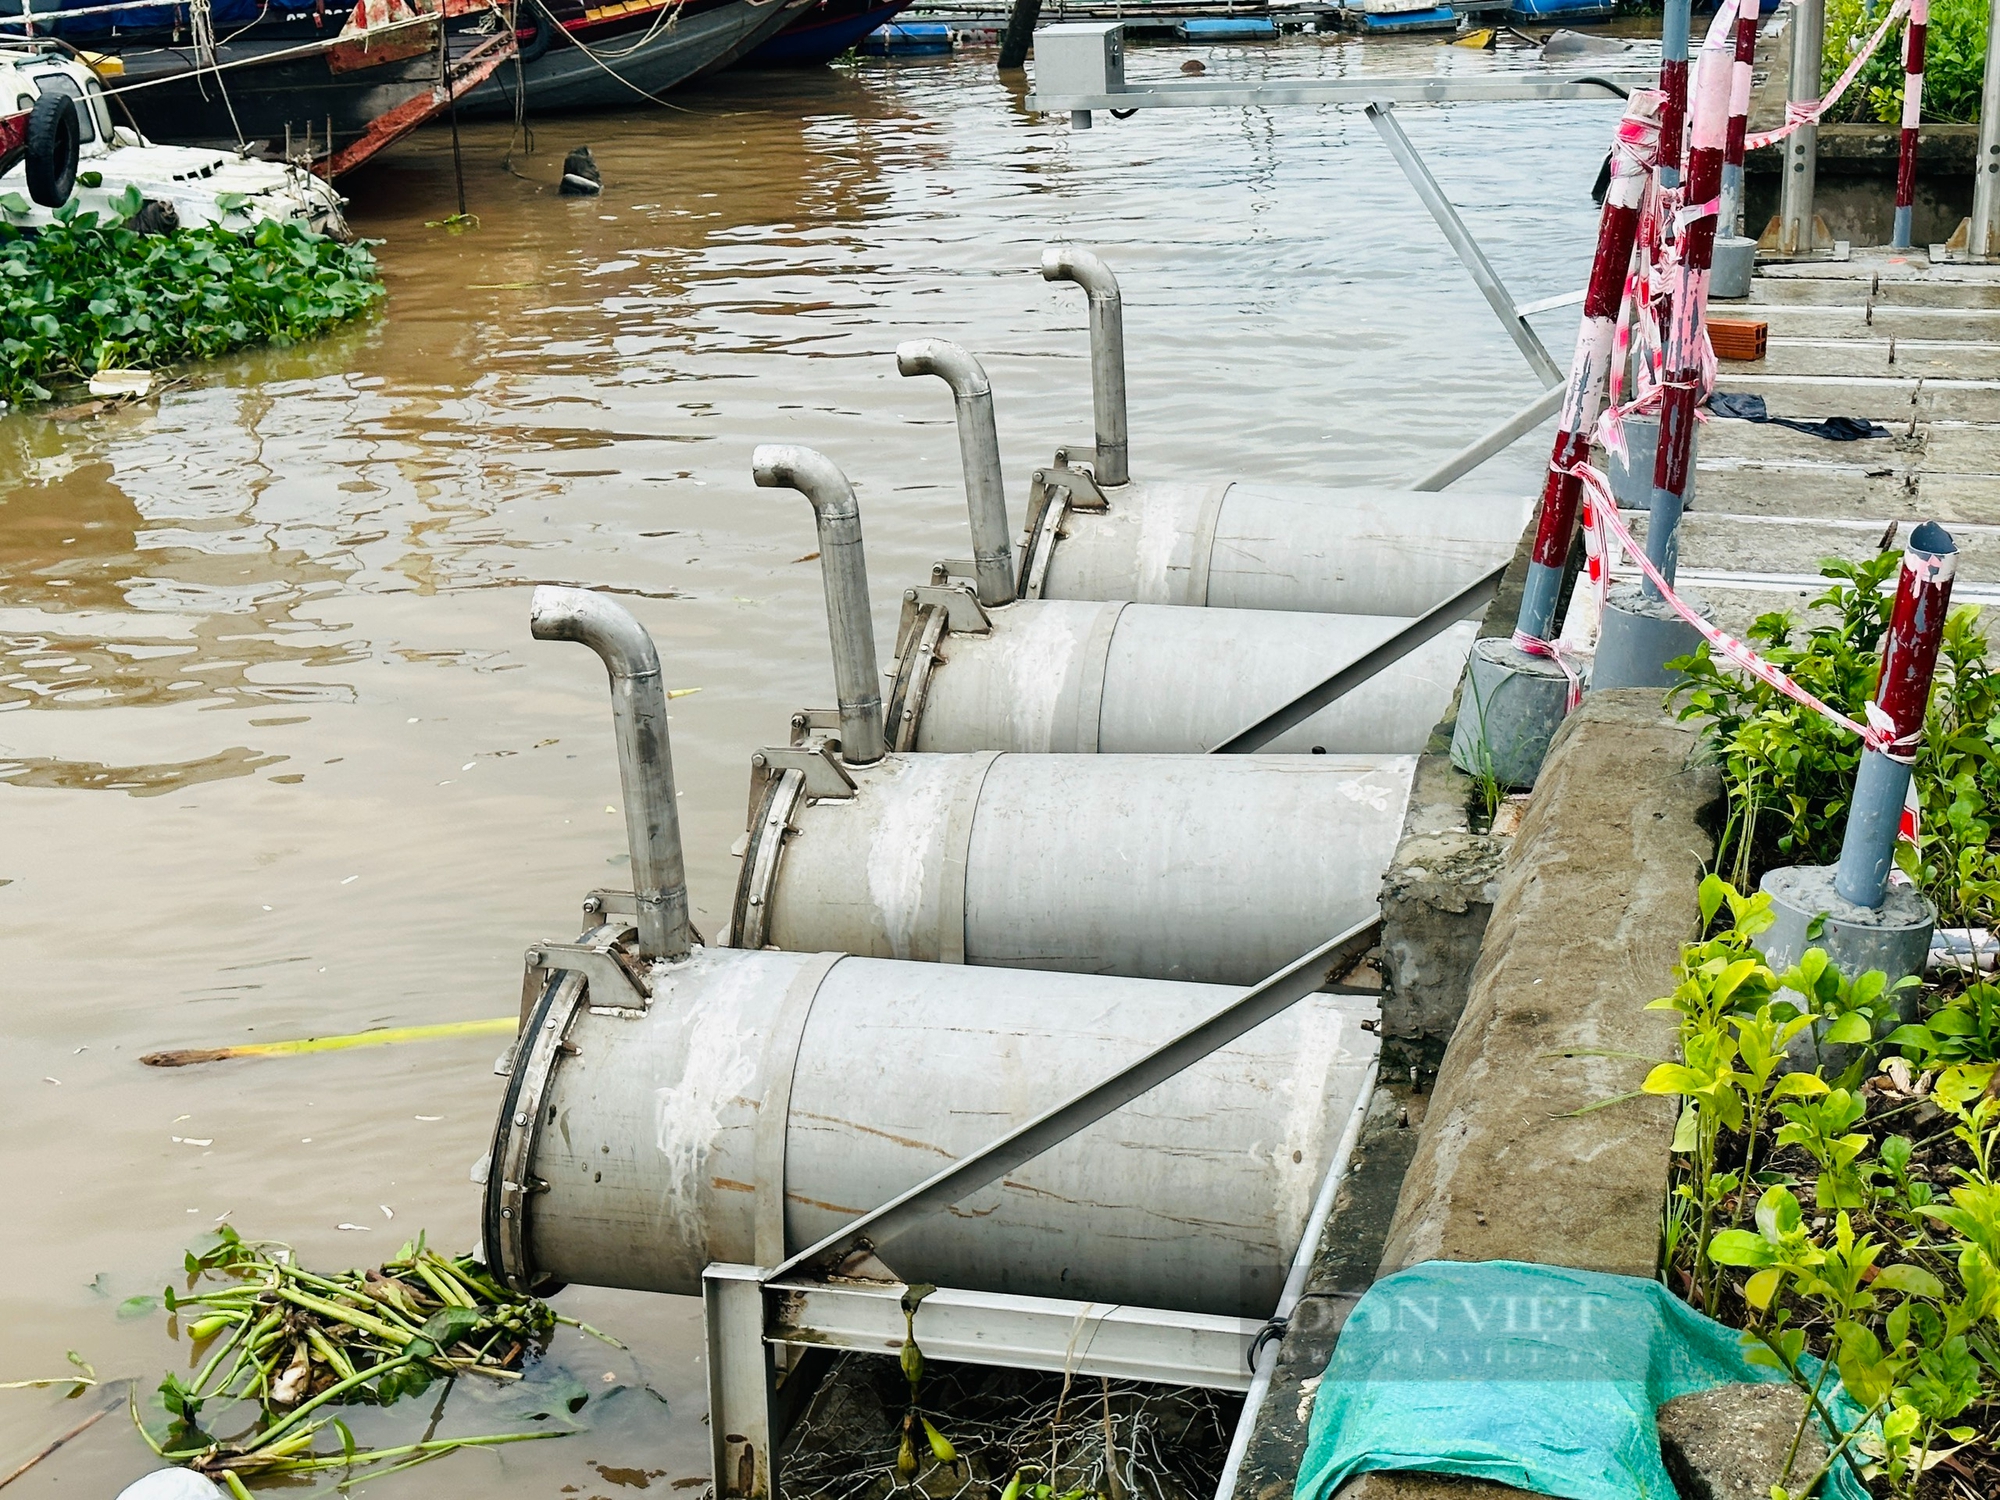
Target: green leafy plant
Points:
(1954, 61)
(1787, 772)
(88, 292)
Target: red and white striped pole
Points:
(1674, 86)
(1687, 333)
(1632, 160)
(1739, 121)
(1902, 696)
(1915, 36)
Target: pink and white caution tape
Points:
(1803, 112)
(1605, 533)
(1530, 645)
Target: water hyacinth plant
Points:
(88, 293)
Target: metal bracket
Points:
(811, 725)
(964, 614)
(598, 961)
(771, 824)
(916, 653)
(825, 776)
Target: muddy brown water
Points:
(276, 753)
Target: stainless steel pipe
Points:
(645, 760)
(979, 458)
(1107, 353)
(845, 568)
(768, 1099)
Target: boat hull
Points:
(607, 68)
(824, 33)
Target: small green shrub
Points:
(1954, 61)
(85, 293)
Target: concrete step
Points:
(1808, 489)
(1951, 359)
(1968, 287)
(1767, 545)
(1724, 437)
(1858, 321)
(1961, 448)
(1879, 398)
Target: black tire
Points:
(530, 17)
(53, 143)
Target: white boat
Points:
(58, 145)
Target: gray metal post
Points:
(1909, 657)
(645, 762)
(1795, 196)
(743, 1422)
(1984, 240)
(1107, 353)
(1382, 115)
(856, 682)
(979, 456)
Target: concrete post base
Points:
(1895, 939)
(1637, 637)
(1735, 262)
(1509, 708)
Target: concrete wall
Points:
(1854, 188)
(1590, 904)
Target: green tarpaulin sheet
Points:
(1539, 1377)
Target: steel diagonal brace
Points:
(1435, 622)
(991, 1162)
(1513, 318)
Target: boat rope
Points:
(201, 28)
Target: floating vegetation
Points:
(89, 292)
(283, 1348)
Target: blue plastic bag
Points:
(1540, 1377)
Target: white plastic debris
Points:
(1963, 949)
(121, 383)
(172, 1484)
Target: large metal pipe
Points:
(1074, 676)
(979, 457)
(845, 569)
(1214, 869)
(1107, 353)
(645, 760)
(769, 1099)
(1258, 546)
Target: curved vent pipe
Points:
(645, 760)
(845, 572)
(979, 456)
(1107, 352)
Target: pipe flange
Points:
(913, 677)
(1041, 543)
(750, 920)
(510, 1184)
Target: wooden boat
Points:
(823, 31)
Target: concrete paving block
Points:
(1730, 1443)
(1879, 398)
(1804, 488)
(1768, 290)
(1962, 448)
(1941, 358)
(1859, 321)
(1731, 437)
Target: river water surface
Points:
(278, 757)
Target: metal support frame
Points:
(1468, 458)
(1978, 237)
(1513, 317)
(1433, 622)
(1798, 233)
(836, 1294)
(1388, 89)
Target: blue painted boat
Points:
(905, 38)
(823, 33)
(1561, 10)
(1437, 18)
(1220, 27)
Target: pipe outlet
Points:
(979, 457)
(844, 572)
(1107, 353)
(645, 760)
